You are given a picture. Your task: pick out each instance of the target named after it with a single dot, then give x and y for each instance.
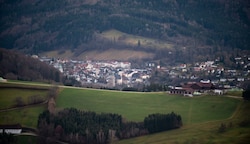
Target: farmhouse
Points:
(192, 88)
(219, 91)
(11, 129)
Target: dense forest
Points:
(16, 66)
(75, 126)
(203, 26)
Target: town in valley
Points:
(123, 74)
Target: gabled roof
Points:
(14, 126)
(205, 85)
(198, 86)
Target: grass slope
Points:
(136, 106)
(116, 54)
(132, 40)
(109, 54)
(204, 132)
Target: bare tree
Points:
(19, 101)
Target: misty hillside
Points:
(80, 25)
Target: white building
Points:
(11, 129)
(2, 79)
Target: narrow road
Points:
(22, 107)
(236, 97)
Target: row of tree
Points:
(75, 126)
(34, 99)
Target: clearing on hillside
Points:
(132, 40)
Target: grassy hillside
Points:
(109, 54)
(135, 41)
(235, 132)
(136, 106)
(202, 116)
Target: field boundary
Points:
(25, 106)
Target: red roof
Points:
(205, 85)
(198, 85)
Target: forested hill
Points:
(16, 66)
(42, 25)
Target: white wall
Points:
(11, 131)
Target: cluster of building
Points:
(197, 88)
(107, 74)
(116, 74)
(218, 78)
(217, 73)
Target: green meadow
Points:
(8, 96)
(202, 115)
(133, 40)
(206, 132)
(135, 106)
(27, 116)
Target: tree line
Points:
(75, 126)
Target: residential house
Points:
(219, 91)
(193, 88)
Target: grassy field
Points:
(26, 139)
(116, 54)
(133, 40)
(66, 54)
(24, 116)
(9, 95)
(136, 106)
(204, 132)
(236, 92)
(109, 54)
(202, 115)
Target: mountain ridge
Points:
(36, 26)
